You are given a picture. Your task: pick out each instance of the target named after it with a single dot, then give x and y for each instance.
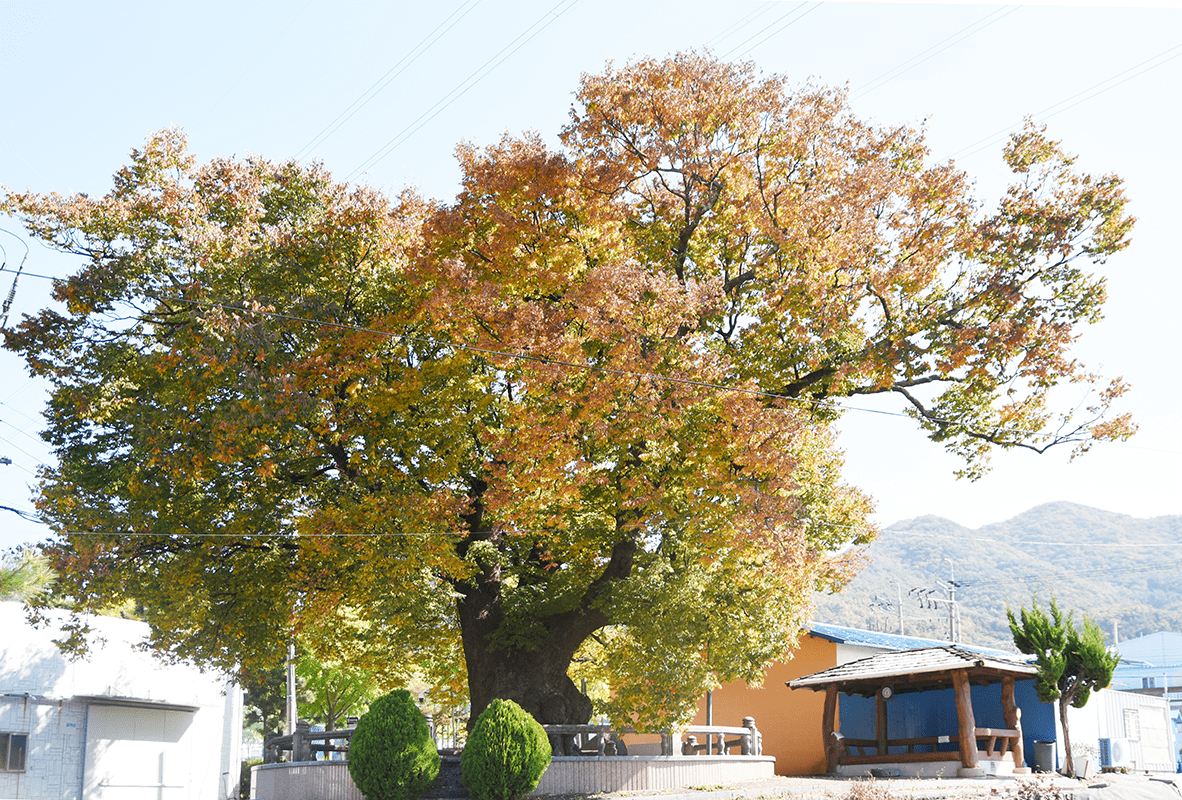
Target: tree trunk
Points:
(1068, 761)
(532, 674)
(534, 678)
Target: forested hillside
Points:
(1117, 568)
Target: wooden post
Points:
(968, 724)
(828, 728)
(1013, 717)
(880, 723)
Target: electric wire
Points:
(242, 73)
(15, 279)
(25, 515)
(523, 356)
(1033, 543)
(9, 442)
(519, 532)
(1045, 578)
(1054, 110)
(766, 7)
(899, 70)
(779, 30)
(20, 430)
(381, 83)
(546, 20)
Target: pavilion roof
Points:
(918, 670)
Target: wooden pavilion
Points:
(978, 750)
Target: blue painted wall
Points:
(917, 714)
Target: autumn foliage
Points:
(582, 409)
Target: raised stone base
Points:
(931, 769)
(574, 775)
(314, 780)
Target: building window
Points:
(1147, 683)
(1132, 724)
(14, 748)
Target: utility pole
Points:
(953, 628)
(292, 711)
(899, 589)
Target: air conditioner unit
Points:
(1116, 753)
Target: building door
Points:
(135, 753)
(1155, 739)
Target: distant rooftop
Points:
(893, 641)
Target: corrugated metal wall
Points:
(1144, 721)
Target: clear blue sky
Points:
(83, 83)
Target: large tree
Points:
(585, 408)
(1072, 661)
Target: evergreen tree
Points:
(24, 575)
(1071, 661)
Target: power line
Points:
(545, 21)
(381, 83)
(1027, 543)
(21, 431)
(25, 515)
(1045, 578)
(745, 20)
(523, 356)
(26, 452)
(257, 58)
(983, 144)
(519, 532)
(774, 33)
(12, 292)
(896, 72)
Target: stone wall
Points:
(57, 734)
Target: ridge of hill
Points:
(1121, 570)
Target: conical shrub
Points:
(506, 753)
(391, 754)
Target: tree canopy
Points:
(1072, 661)
(583, 408)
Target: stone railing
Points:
(592, 760)
(305, 743)
(565, 740)
(604, 740)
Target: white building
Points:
(1151, 666)
(118, 725)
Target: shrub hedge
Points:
(392, 755)
(506, 753)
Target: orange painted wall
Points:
(789, 719)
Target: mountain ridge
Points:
(1105, 564)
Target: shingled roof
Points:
(915, 671)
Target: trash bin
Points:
(1044, 756)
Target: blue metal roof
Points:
(893, 641)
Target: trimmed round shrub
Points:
(391, 754)
(506, 753)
